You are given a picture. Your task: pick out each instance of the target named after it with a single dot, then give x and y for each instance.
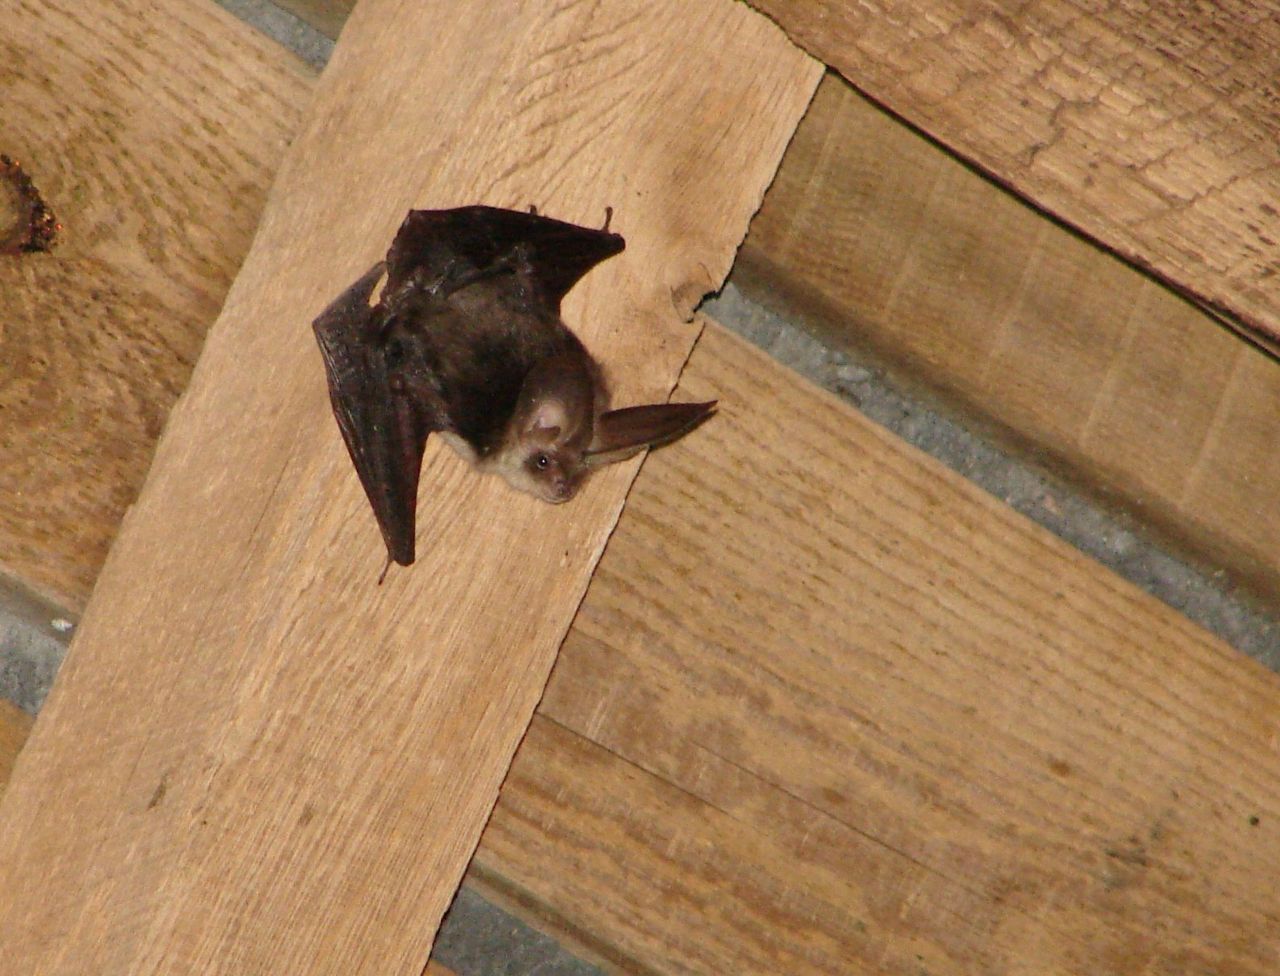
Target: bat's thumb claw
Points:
(354, 302)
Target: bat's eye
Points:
(542, 462)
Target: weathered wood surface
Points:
(326, 16)
(155, 149)
(1152, 127)
(254, 759)
(923, 733)
(887, 243)
(605, 856)
(1143, 399)
(829, 708)
(15, 726)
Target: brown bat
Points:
(466, 340)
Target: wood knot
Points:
(27, 224)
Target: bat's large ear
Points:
(546, 418)
(622, 433)
(556, 399)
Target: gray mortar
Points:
(33, 642)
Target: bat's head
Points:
(550, 430)
(556, 438)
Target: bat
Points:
(466, 341)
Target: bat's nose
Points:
(563, 489)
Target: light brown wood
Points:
(605, 856)
(1151, 127)
(839, 711)
(254, 759)
(15, 726)
(326, 16)
(657, 816)
(154, 148)
(888, 244)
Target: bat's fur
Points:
(466, 340)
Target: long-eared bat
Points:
(466, 340)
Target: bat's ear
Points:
(556, 399)
(622, 433)
(547, 417)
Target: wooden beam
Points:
(600, 847)
(15, 726)
(326, 16)
(840, 711)
(988, 762)
(1150, 127)
(887, 244)
(305, 761)
(155, 154)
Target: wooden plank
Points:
(157, 169)
(255, 760)
(883, 240)
(839, 711)
(326, 16)
(1151, 127)
(888, 244)
(638, 815)
(15, 726)
(626, 801)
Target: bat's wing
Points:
(385, 429)
(447, 245)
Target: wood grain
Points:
(154, 148)
(15, 726)
(254, 759)
(326, 16)
(829, 708)
(889, 245)
(878, 749)
(1152, 127)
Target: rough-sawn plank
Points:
(886, 243)
(1152, 127)
(920, 733)
(254, 759)
(154, 146)
(844, 712)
